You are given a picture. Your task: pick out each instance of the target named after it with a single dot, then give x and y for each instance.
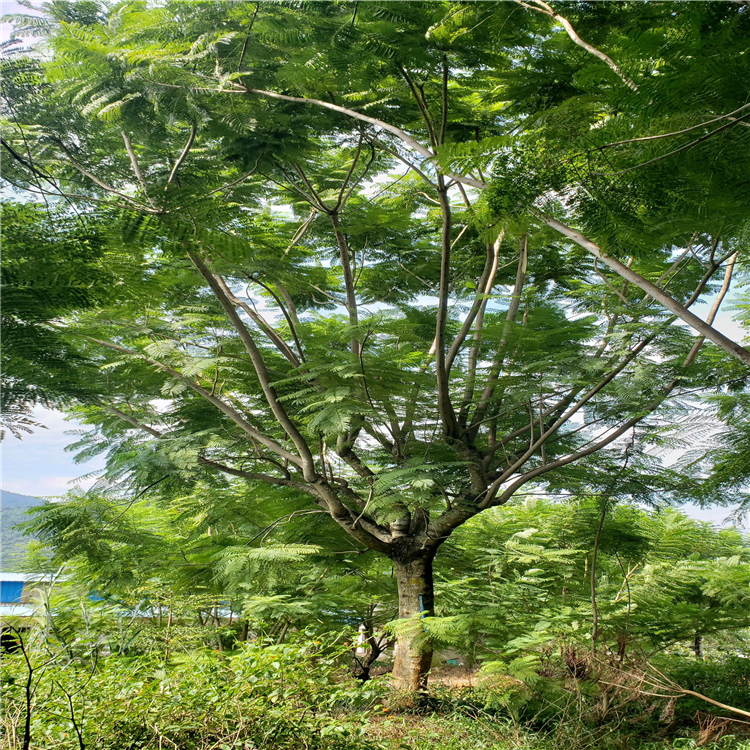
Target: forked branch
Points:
(484, 287)
(305, 455)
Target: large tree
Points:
(345, 268)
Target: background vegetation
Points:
(193, 638)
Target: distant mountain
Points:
(13, 543)
(14, 500)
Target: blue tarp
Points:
(10, 591)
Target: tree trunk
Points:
(698, 646)
(415, 594)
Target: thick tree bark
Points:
(415, 594)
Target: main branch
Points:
(671, 304)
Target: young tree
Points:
(635, 581)
(399, 350)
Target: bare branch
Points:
(398, 156)
(34, 170)
(733, 121)
(210, 462)
(361, 177)
(674, 133)
(302, 230)
(444, 92)
(80, 168)
(489, 498)
(293, 187)
(316, 200)
(355, 161)
(595, 446)
(270, 479)
(445, 407)
(363, 529)
(287, 307)
(130, 420)
(574, 409)
(421, 104)
(616, 292)
(238, 180)
(439, 529)
(285, 481)
(57, 192)
(558, 408)
(134, 163)
(351, 294)
(402, 134)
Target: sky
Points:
(39, 464)
(9, 7)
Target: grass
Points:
(454, 732)
(457, 732)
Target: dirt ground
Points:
(443, 674)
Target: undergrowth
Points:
(263, 696)
(296, 695)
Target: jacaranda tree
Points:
(341, 266)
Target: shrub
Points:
(280, 696)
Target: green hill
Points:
(13, 543)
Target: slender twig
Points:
(353, 166)
(679, 150)
(182, 156)
(510, 318)
(85, 172)
(669, 135)
(225, 408)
